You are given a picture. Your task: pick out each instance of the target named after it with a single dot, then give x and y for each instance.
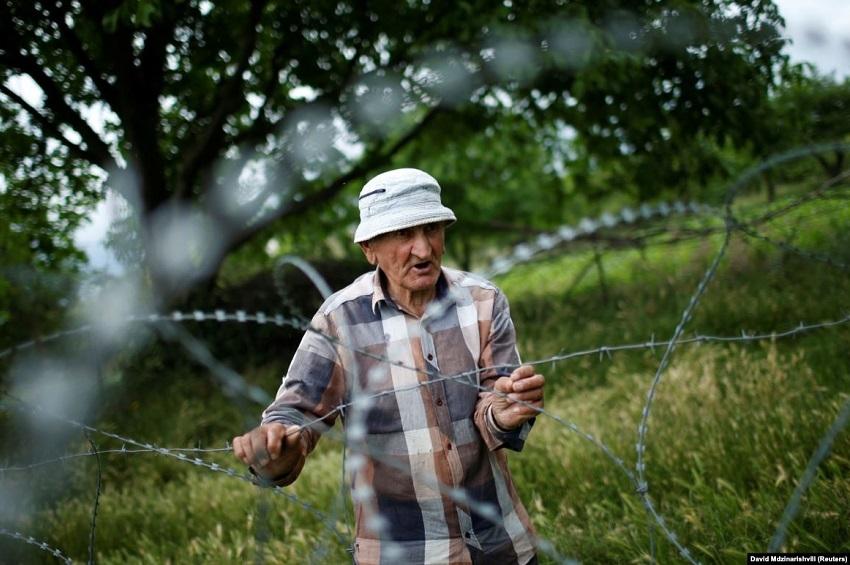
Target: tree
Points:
(810, 108)
(802, 109)
(36, 248)
(235, 115)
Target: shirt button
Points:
(467, 535)
(386, 337)
(430, 357)
(439, 402)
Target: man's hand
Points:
(523, 384)
(272, 450)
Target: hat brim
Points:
(389, 222)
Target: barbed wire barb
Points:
(43, 546)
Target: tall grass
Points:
(730, 434)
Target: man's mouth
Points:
(422, 266)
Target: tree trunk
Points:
(839, 164)
(770, 185)
(832, 168)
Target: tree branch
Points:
(263, 127)
(152, 58)
(362, 168)
(332, 189)
(227, 100)
(76, 47)
(48, 127)
(55, 100)
(138, 108)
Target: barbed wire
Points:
(808, 477)
(44, 546)
(586, 228)
(640, 466)
(571, 426)
(601, 351)
(122, 451)
(458, 495)
(546, 242)
(96, 497)
(731, 194)
(524, 252)
(178, 455)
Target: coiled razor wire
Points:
(122, 451)
(520, 253)
(731, 194)
(179, 453)
(241, 317)
(44, 546)
(808, 477)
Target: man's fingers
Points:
(239, 450)
(259, 453)
(272, 450)
(504, 385)
(293, 438)
(528, 396)
(529, 383)
(522, 372)
(528, 409)
(274, 440)
(247, 449)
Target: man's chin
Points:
(424, 281)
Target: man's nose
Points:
(421, 246)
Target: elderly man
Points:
(429, 476)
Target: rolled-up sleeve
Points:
(498, 356)
(313, 387)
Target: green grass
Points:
(731, 430)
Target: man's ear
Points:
(367, 251)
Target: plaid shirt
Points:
(429, 480)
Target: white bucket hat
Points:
(399, 199)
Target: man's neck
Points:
(412, 302)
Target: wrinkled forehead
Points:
(401, 234)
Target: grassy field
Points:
(731, 430)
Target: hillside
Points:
(732, 427)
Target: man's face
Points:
(410, 258)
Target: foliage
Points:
(813, 109)
(43, 197)
(729, 437)
(240, 113)
(497, 175)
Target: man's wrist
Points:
(281, 480)
(491, 417)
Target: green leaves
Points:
(132, 13)
(329, 92)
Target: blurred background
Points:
(165, 156)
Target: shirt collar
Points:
(380, 294)
(377, 290)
